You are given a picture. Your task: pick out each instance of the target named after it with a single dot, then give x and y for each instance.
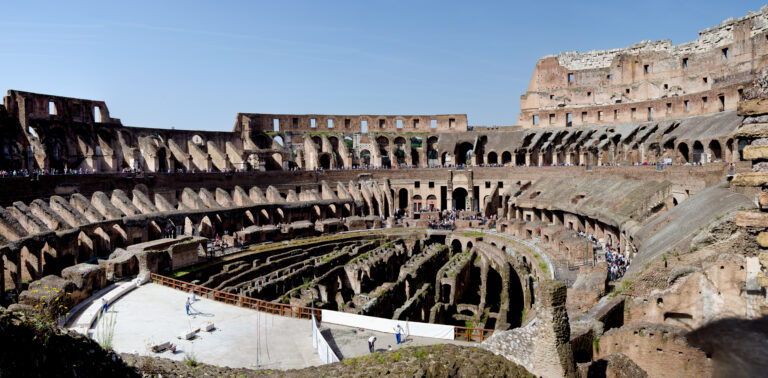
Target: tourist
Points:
(398, 332)
(187, 306)
(371, 342)
(104, 305)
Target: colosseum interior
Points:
(656, 154)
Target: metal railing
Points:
(471, 334)
(238, 300)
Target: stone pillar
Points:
(554, 157)
(527, 159)
(540, 160)
(612, 152)
(553, 356)
(567, 158)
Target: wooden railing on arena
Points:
(460, 333)
(471, 334)
(238, 300)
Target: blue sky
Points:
(195, 64)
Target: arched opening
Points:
(400, 151)
(520, 157)
(279, 140)
(494, 288)
(318, 142)
(432, 202)
(162, 160)
(492, 158)
(445, 158)
(717, 152)
(365, 157)
(698, 152)
(402, 199)
(464, 153)
(459, 199)
(383, 145)
(416, 144)
(682, 149)
(432, 151)
(455, 246)
(325, 161)
(506, 157)
(416, 203)
(516, 300)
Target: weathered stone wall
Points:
(648, 80)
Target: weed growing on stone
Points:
(190, 359)
(105, 329)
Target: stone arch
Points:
(715, 149)
(506, 157)
(683, 153)
(492, 158)
(460, 196)
(456, 246)
(464, 153)
(402, 199)
(325, 160)
(698, 152)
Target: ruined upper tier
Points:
(648, 80)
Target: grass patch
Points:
(190, 359)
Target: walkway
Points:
(352, 342)
(153, 314)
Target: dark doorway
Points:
(459, 199)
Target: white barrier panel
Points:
(435, 331)
(327, 355)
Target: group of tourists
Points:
(617, 264)
(44, 172)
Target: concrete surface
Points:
(153, 314)
(351, 342)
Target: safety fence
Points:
(359, 321)
(238, 300)
(471, 334)
(327, 355)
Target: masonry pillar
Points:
(554, 157)
(540, 159)
(567, 158)
(612, 152)
(527, 159)
(552, 352)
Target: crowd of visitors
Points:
(617, 264)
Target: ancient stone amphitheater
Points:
(656, 153)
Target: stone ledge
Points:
(753, 107)
(755, 130)
(751, 219)
(755, 152)
(750, 179)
